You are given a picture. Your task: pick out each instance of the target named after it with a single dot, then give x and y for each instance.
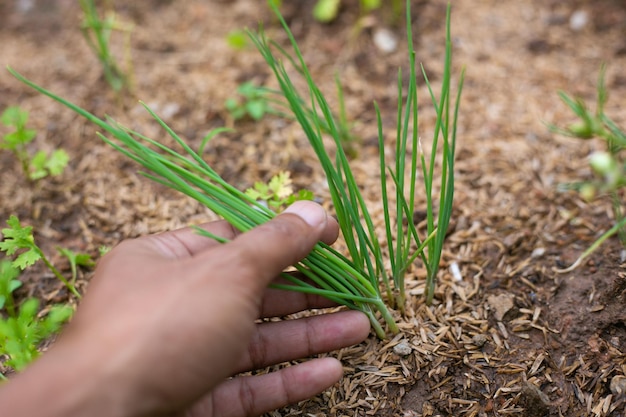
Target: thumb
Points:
(263, 252)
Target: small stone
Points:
(538, 252)
(618, 385)
(578, 20)
(402, 349)
(500, 304)
(385, 40)
(479, 340)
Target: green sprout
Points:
(327, 10)
(19, 240)
(76, 259)
(253, 102)
(97, 33)
(609, 165)
(237, 39)
(351, 281)
(39, 165)
(278, 193)
(22, 329)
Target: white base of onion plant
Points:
(353, 280)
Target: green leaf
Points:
(38, 166)
(57, 162)
(8, 283)
(369, 5)
(231, 104)
(237, 39)
(326, 10)
(28, 310)
(17, 237)
(256, 109)
(57, 316)
(14, 116)
(26, 259)
(20, 137)
(280, 185)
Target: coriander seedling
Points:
(22, 330)
(253, 102)
(41, 164)
(19, 241)
(237, 39)
(278, 192)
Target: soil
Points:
(508, 335)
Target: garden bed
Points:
(507, 334)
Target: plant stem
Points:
(57, 273)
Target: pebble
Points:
(385, 40)
(402, 349)
(578, 20)
(479, 340)
(538, 252)
(618, 385)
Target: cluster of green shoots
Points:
(39, 165)
(354, 280)
(22, 327)
(97, 33)
(608, 165)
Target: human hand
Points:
(169, 318)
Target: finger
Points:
(278, 303)
(187, 242)
(255, 395)
(263, 252)
(277, 342)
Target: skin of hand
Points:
(168, 319)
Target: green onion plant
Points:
(609, 166)
(354, 218)
(97, 33)
(354, 280)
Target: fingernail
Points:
(310, 212)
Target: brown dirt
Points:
(512, 337)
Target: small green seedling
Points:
(609, 165)
(97, 33)
(253, 101)
(22, 329)
(41, 164)
(103, 250)
(278, 193)
(327, 10)
(19, 240)
(76, 259)
(237, 39)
